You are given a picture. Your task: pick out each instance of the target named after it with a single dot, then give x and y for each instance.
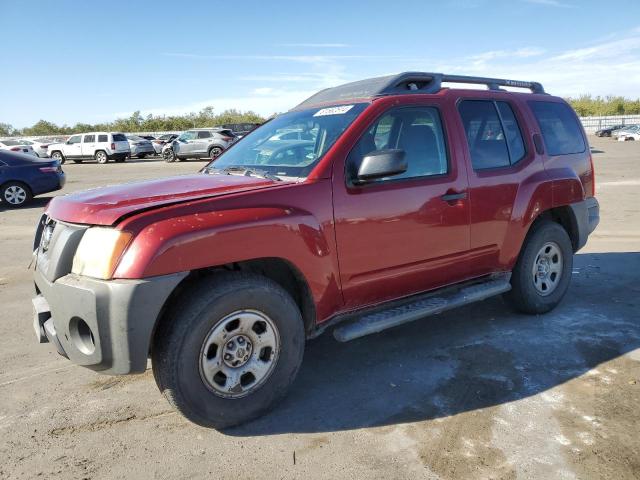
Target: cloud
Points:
(525, 52)
(550, 3)
(313, 45)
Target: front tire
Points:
(542, 273)
(169, 155)
(229, 349)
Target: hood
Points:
(104, 206)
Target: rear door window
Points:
(559, 127)
(485, 136)
(89, 138)
(512, 132)
(204, 134)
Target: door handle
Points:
(454, 197)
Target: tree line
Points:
(139, 123)
(585, 106)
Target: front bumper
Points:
(104, 325)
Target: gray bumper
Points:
(105, 325)
(586, 216)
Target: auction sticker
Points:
(333, 111)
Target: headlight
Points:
(99, 252)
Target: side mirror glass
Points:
(382, 163)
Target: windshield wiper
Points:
(247, 172)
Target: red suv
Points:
(396, 198)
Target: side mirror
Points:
(380, 164)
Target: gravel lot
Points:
(479, 392)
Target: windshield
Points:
(291, 144)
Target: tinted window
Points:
(89, 138)
(118, 137)
(559, 126)
(75, 139)
(204, 134)
(187, 136)
(512, 132)
(102, 138)
(417, 131)
(485, 137)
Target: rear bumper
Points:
(118, 155)
(104, 325)
(587, 217)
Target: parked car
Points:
(198, 143)
(606, 132)
(148, 137)
(292, 135)
(632, 135)
(40, 146)
(17, 146)
(162, 140)
(23, 176)
(100, 146)
(385, 217)
(241, 129)
(140, 147)
(615, 134)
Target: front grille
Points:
(56, 245)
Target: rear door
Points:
(500, 162)
(88, 145)
(201, 143)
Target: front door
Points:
(73, 147)
(407, 233)
(186, 143)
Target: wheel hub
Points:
(547, 268)
(237, 351)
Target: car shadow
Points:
(475, 357)
(35, 203)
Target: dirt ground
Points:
(476, 393)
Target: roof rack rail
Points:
(408, 82)
(423, 82)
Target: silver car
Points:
(140, 147)
(199, 143)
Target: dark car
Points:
(606, 132)
(241, 129)
(22, 177)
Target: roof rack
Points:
(409, 82)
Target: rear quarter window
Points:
(103, 138)
(559, 127)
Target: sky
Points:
(83, 61)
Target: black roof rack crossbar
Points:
(409, 82)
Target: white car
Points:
(140, 147)
(39, 145)
(100, 146)
(629, 136)
(621, 132)
(17, 146)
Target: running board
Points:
(432, 305)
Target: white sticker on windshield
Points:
(333, 111)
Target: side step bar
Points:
(432, 305)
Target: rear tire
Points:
(542, 273)
(215, 152)
(15, 194)
(101, 157)
(196, 345)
